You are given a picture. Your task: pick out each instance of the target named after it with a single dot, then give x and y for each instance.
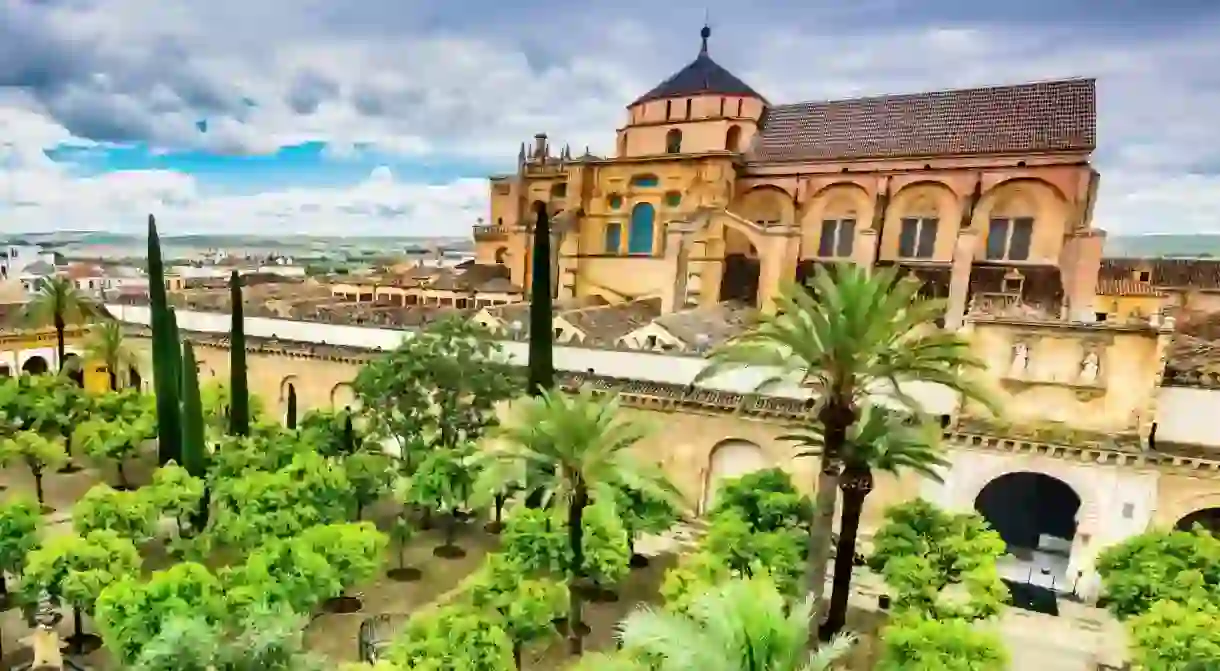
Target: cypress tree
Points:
(541, 365)
(292, 407)
(194, 445)
(349, 435)
(239, 388)
(165, 354)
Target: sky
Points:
(384, 117)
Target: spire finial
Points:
(705, 33)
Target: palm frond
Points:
(882, 439)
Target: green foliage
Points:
(644, 512)
(20, 520)
(440, 387)
(39, 453)
(1173, 636)
(174, 492)
(443, 480)
(766, 499)
(217, 400)
(324, 431)
(354, 550)
(265, 639)
(265, 450)
(281, 574)
(453, 638)
(130, 613)
(742, 624)
(116, 440)
(131, 515)
(694, 575)
(939, 564)
(746, 552)
(166, 354)
(370, 475)
(527, 607)
(194, 441)
(537, 542)
(1178, 566)
(75, 570)
(916, 643)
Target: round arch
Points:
(766, 205)
(289, 381)
(501, 255)
(134, 379)
(343, 396)
(1031, 511)
(35, 365)
(1208, 518)
(728, 459)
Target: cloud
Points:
(466, 83)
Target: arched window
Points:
(688, 108)
(673, 142)
(732, 139)
(669, 109)
(639, 235)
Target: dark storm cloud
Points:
(310, 89)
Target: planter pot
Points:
(404, 574)
(343, 605)
(449, 552)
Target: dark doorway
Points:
(35, 365)
(741, 269)
(134, 380)
(1208, 518)
(1035, 514)
(5, 371)
(74, 369)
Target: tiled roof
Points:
(1126, 286)
(606, 324)
(703, 76)
(719, 323)
(1203, 274)
(1044, 116)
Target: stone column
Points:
(779, 256)
(1081, 283)
(959, 279)
(864, 248)
(677, 254)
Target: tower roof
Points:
(703, 76)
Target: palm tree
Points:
(576, 446)
(881, 440)
(742, 625)
(852, 333)
(58, 303)
(109, 345)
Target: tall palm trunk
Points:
(576, 532)
(856, 483)
(836, 417)
(60, 348)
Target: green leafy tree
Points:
(264, 640)
(453, 638)
(327, 432)
(74, 570)
(354, 550)
(20, 520)
(131, 612)
(527, 607)
(746, 552)
(915, 643)
(1172, 636)
(370, 475)
(537, 541)
(58, 303)
(281, 574)
(239, 386)
(438, 389)
(642, 512)
(116, 441)
(175, 493)
(259, 506)
(39, 453)
(1178, 566)
(582, 446)
(880, 440)
(166, 354)
(401, 533)
(931, 559)
(443, 483)
(217, 399)
(694, 575)
(766, 499)
(108, 344)
(742, 624)
(131, 515)
(852, 333)
(56, 406)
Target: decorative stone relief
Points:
(1020, 359)
(1090, 367)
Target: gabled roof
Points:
(703, 76)
(1042, 116)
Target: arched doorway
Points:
(741, 269)
(730, 459)
(133, 378)
(1036, 515)
(35, 365)
(1208, 518)
(501, 255)
(74, 369)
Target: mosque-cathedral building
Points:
(1107, 369)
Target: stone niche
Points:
(1091, 377)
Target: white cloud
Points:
(470, 94)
